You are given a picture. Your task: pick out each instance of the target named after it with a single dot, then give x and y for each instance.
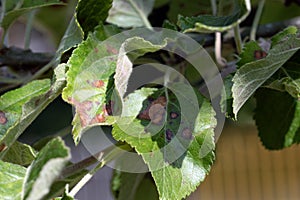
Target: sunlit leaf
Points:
(11, 180)
(18, 108)
(90, 83)
(45, 169)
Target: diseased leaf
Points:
(45, 169)
(130, 13)
(135, 47)
(277, 118)
(18, 108)
(11, 180)
(90, 85)
(174, 139)
(252, 75)
(15, 8)
(250, 53)
(91, 13)
(210, 23)
(21, 154)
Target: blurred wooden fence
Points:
(245, 170)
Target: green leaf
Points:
(136, 47)
(281, 36)
(210, 23)
(45, 169)
(226, 97)
(133, 186)
(91, 13)
(176, 145)
(71, 38)
(287, 84)
(13, 9)
(252, 75)
(21, 154)
(89, 79)
(136, 13)
(11, 180)
(277, 118)
(248, 54)
(18, 108)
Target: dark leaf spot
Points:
(259, 54)
(98, 83)
(169, 134)
(3, 118)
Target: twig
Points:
(238, 39)
(20, 58)
(256, 19)
(28, 29)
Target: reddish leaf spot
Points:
(98, 83)
(100, 118)
(96, 50)
(259, 54)
(3, 118)
(187, 134)
(173, 115)
(112, 50)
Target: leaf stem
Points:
(28, 29)
(141, 14)
(111, 155)
(256, 19)
(238, 39)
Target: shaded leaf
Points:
(71, 38)
(252, 75)
(21, 154)
(210, 23)
(277, 118)
(21, 106)
(130, 13)
(15, 8)
(287, 84)
(178, 147)
(11, 180)
(226, 97)
(45, 169)
(133, 186)
(91, 13)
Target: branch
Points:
(20, 58)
